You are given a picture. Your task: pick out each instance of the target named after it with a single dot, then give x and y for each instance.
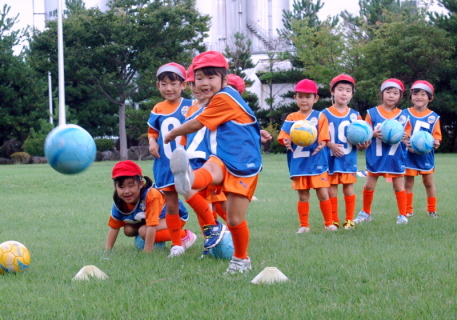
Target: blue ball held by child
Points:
(392, 131)
(358, 131)
(421, 142)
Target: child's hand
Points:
(363, 146)
(377, 133)
(154, 148)
(436, 144)
(320, 146)
(288, 144)
(337, 149)
(169, 137)
(265, 136)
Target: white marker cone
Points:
(269, 275)
(88, 272)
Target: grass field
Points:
(380, 270)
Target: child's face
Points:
(420, 99)
(305, 101)
(196, 93)
(129, 190)
(209, 85)
(342, 93)
(391, 97)
(171, 90)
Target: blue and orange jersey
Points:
(164, 117)
(337, 124)
(300, 161)
(429, 121)
(149, 209)
(237, 132)
(382, 157)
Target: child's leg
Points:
(237, 206)
(333, 195)
(368, 193)
(409, 184)
(201, 208)
(349, 200)
(303, 210)
(172, 217)
(219, 209)
(430, 189)
(400, 194)
(326, 208)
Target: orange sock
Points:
(326, 208)
(367, 200)
(431, 204)
(240, 237)
(334, 201)
(164, 235)
(409, 202)
(174, 228)
(303, 213)
(350, 206)
(202, 179)
(401, 202)
(201, 208)
(221, 212)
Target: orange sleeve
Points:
(437, 131)
(368, 119)
(322, 129)
(221, 109)
(154, 204)
(408, 128)
(152, 133)
(282, 134)
(115, 224)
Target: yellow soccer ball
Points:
(303, 133)
(14, 257)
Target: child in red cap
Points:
(382, 159)
(422, 119)
(236, 161)
(139, 208)
(342, 156)
(165, 116)
(308, 165)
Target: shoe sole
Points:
(221, 235)
(179, 166)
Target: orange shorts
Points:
(310, 182)
(169, 188)
(385, 175)
(215, 194)
(342, 178)
(244, 186)
(413, 172)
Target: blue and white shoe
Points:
(213, 234)
(181, 169)
(402, 219)
(237, 265)
(362, 217)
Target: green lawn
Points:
(380, 270)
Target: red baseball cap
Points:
(306, 86)
(190, 73)
(126, 168)
(424, 85)
(173, 67)
(341, 77)
(237, 82)
(393, 83)
(210, 59)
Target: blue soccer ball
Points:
(359, 131)
(69, 149)
(421, 142)
(392, 131)
(224, 249)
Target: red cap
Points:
(173, 67)
(341, 77)
(306, 86)
(126, 168)
(237, 82)
(190, 73)
(393, 83)
(210, 59)
(424, 85)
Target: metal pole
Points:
(51, 120)
(62, 119)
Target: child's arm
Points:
(111, 238)
(184, 129)
(265, 136)
(149, 238)
(153, 145)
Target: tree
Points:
(109, 51)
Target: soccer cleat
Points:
(176, 251)
(348, 225)
(213, 234)
(331, 227)
(303, 230)
(336, 224)
(189, 239)
(433, 214)
(409, 215)
(363, 216)
(238, 265)
(402, 220)
(182, 171)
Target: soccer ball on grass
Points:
(14, 257)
